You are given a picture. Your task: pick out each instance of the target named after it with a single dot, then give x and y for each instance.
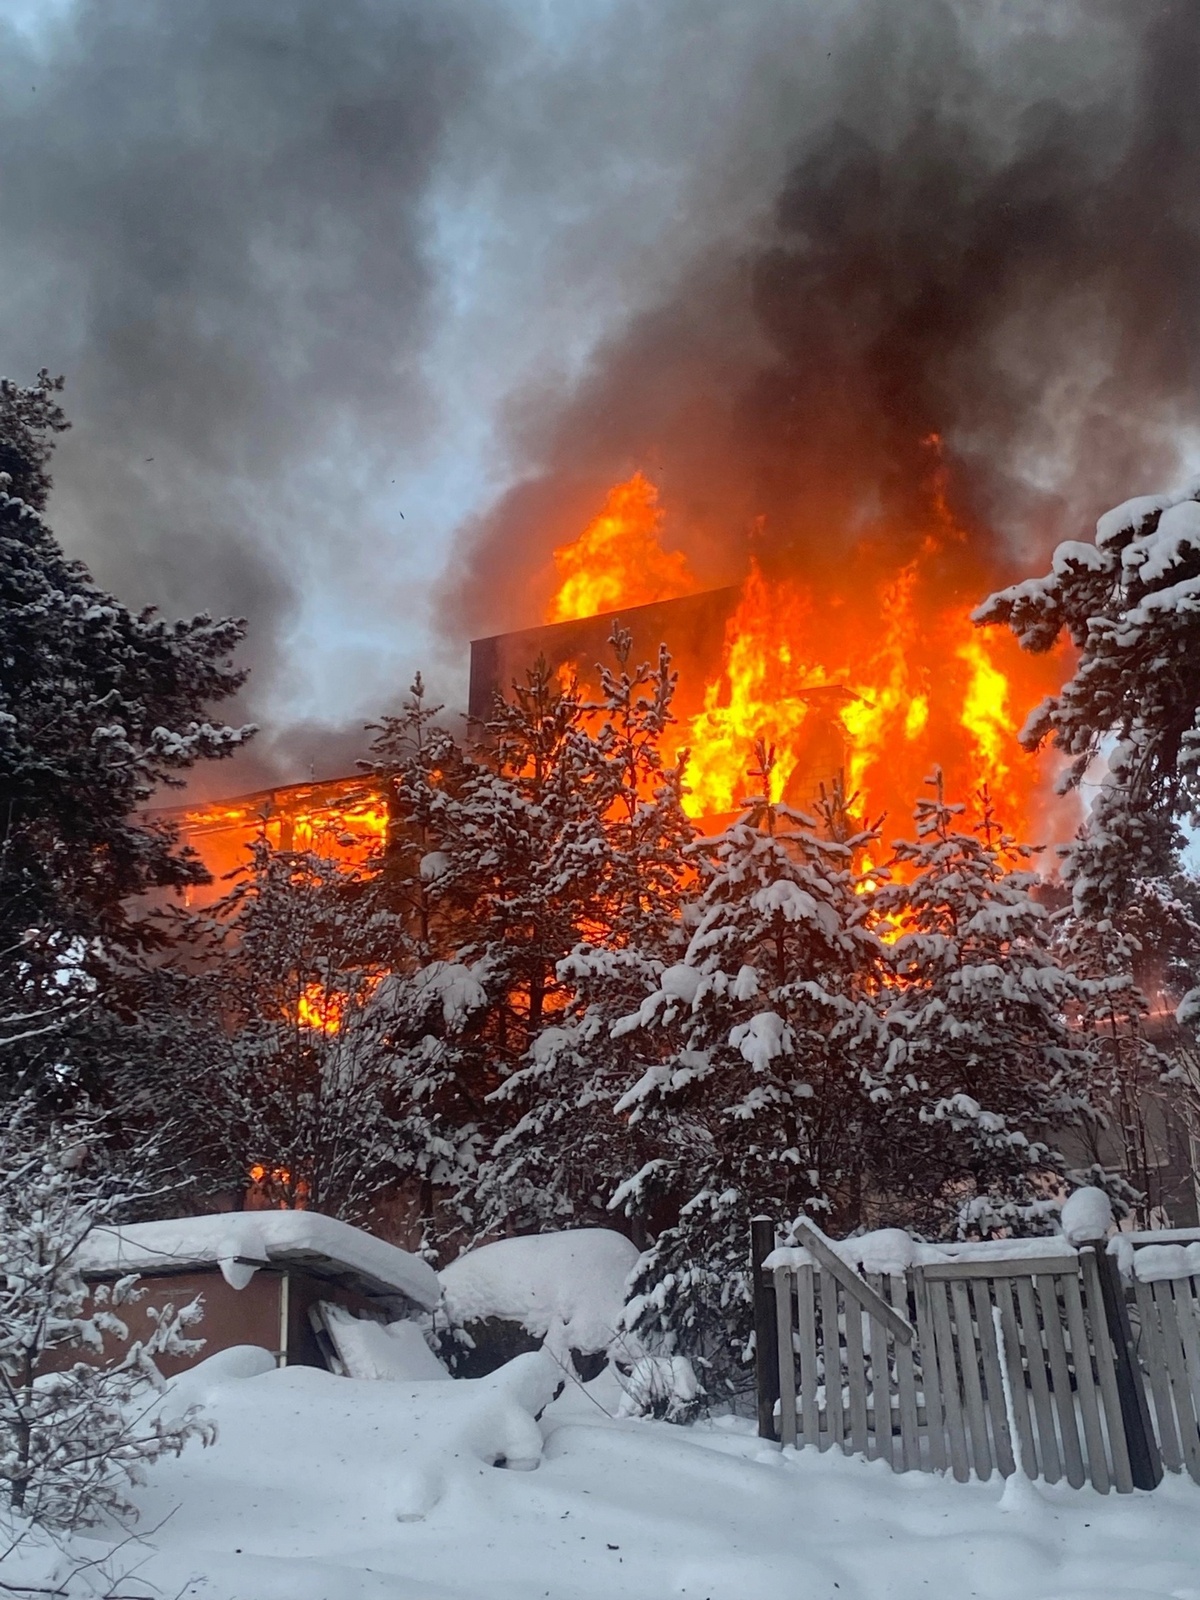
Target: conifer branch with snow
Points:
(78, 1422)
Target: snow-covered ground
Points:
(328, 1488)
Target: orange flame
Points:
(868, 679)
(618, 559)
(321, 1009)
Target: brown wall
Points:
(693, 629)
(232, 1316)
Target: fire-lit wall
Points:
(346, 815)
(695, 629)
(692, 628)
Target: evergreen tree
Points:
(569, 1151)
(756, 1053)
(74, 1433)
(524, 859)
(1126, 600)
(435, 1006)
(305, 1090)
(981, 1057)
(1126, 1071)
(98, 707)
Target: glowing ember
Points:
(618, 560)
(272, 1188)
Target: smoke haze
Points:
(362, 307)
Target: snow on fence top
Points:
(892, 1250)
(239, 1242)
(573, 1282)
(1149, 1257)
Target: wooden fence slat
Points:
(1152, 1351)
(1049, 1460)
(1081, 1361)
(931, 1387)
(787, 1356)
(831, 1345)
(993, 1383)
(947, 1370)
(881, 1382)
(1189, 1433)
(1107, 1370)
(1177, 1373)
(856, 1375)
(807, 1322)
(818, 1246)
(910, 1426)
(1021, 1268)
(1023, 1444)
(968, 1354)
(1189, 1332)
(1048, 1290)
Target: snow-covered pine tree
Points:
(306, 1092)
(758, 1051)
(523, 862)
(78, 1418)
(981, 1057)
(1125, 1070)
(569, 1151)
(432, 1003)
(1127, 600)
(98, 706)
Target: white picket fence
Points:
(994, 1358)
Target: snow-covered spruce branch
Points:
(77, 1427)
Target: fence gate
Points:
(965, 1365)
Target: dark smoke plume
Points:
(989, 235)
(289, 252)
(213, 225)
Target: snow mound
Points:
(1086, 1215)
(319, 1486)
(885, 1250)
(240, 1241)
(569, 1285)
(374, 1350)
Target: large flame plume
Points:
(869, 670)
(618, 559)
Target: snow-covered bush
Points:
(76, 1425)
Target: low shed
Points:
(260, 1275)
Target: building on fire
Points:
(353, 812)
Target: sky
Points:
(361, 306)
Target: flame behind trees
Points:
(873, 665)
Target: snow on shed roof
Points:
(576, 1279)
(239, 1241)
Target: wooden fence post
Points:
(1145, 1460)
(766, 1332)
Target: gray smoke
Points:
(989, 234)
(213, 225)
(308, 266)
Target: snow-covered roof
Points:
(240, 1241)
(570, 1286)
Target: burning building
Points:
(347, 813)
(865, 677)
